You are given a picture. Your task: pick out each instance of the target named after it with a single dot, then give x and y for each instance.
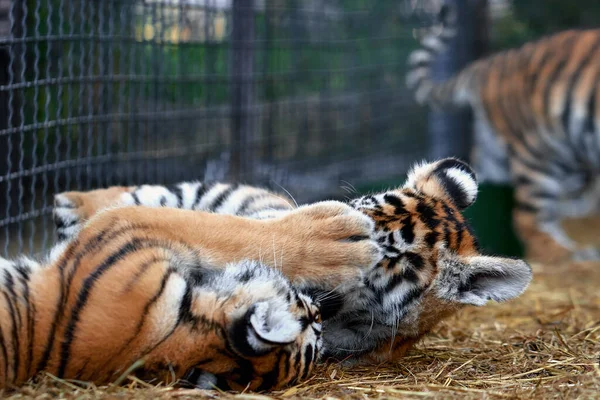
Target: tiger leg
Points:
(327, 243)
(73, 209)
(537, 217)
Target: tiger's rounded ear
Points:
(266, 325)
(448, 178)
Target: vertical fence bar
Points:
(242, 93)
(7, 103)
(450, 133)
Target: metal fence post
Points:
(450, 133)
(242, 95)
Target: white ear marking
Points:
(465, 181)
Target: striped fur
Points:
(537, 126)
(431, 266)
(168, 291)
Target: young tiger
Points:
(179, 294)
(537, 125)
(430, 269)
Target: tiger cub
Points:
(172, 294)
(431, 265)
(537, 118)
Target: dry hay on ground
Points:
(543, 345)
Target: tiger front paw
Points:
(73, 209)
(332, 241)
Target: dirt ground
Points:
(544, 345)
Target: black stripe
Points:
(531, 82)
(407, 230)
(431, 238)
(142, 269)
(447, 236)
(200, 192)
(396, 279)
(136, 199)
(222, 198)
(83, 296)
(415, 260)
(455, 192)
(308, 360)
(145, 312)
(177, 190)
(59, 309)
(15, 315)
(60, 223)
(450, 163)
(4, 354)
(286, 361)
(553, 78)
(16, 344)
(92, 247)
(238, 335)
(459, 234)
(10, 286)
(413, 295)
(271, 378)
(24, 273)
(395, 201)
(427, 215)
(589, 125)
(248, 202)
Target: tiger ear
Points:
(266, 325)
(449, 179)
(477, 279)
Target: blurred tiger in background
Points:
(537, 119)
(429, 265)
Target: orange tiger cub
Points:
(181, 295)
(537, 126)
(430, 268)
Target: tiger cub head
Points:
(432, 265)
(272, 335)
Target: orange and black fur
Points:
(537, 116)
(171, 294)
(424, 268)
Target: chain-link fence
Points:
(299, 94)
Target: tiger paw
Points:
(73, 209)
(330, 240)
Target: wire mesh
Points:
(302, 94)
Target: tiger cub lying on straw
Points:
(198, 290)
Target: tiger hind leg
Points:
(73, 209)
(538, 214)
